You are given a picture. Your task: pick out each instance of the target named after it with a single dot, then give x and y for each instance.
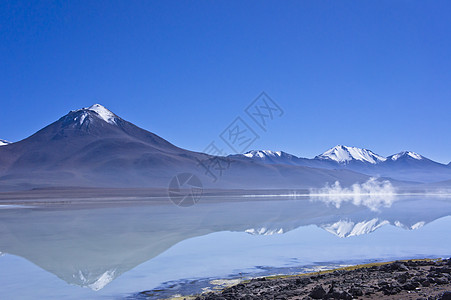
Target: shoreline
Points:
(401, 279)
(117, 197)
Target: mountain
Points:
(344, 155)
(408, 165)
(87, 145)
(403, 166)
(264, 154)
(93, 147)
(405, 155)
(268, 157)
(3, 142)
(283, 158)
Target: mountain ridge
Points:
(345, 154)
(404, 165)
(93, 147)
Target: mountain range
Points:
(404, 166)
(93, 147)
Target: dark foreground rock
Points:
(429, 280)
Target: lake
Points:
(151, 249)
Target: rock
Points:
(258, 279)
(331, 288)
(425, 283)
(318, 292)
(391, 289)
(410, 286)
(441, 280)
(339, 272)
(418, 280)
(303, 281)
(355, 292)
(228, 293)
(382, 283)
(345, 295)
(445, 296)
(402, 278)
(399, 266)
(333, 295)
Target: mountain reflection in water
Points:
(90, 247)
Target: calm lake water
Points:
(116, 252)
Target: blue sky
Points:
(372, 74)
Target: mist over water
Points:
(373, 194)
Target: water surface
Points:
(82, 251)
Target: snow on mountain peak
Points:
(263, 153)
(101, 111)
(3, 142)
(100, 282)
(345, 154)
(103, 280)
(347, 228)
(340, 154)
(264, 231)
(406, 154)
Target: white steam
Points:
(372, 194)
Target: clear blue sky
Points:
(372, 74)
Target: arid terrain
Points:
(423, 279)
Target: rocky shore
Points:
(421, 279)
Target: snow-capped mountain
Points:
(268, 157)
(264, 231)
(94, 147)
(263, 154)
(347, 228)
(99, 112)
(3, 142)
(405, 154)
(283, 158)
(404, 166)
(345, 154)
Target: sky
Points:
(370, 74)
